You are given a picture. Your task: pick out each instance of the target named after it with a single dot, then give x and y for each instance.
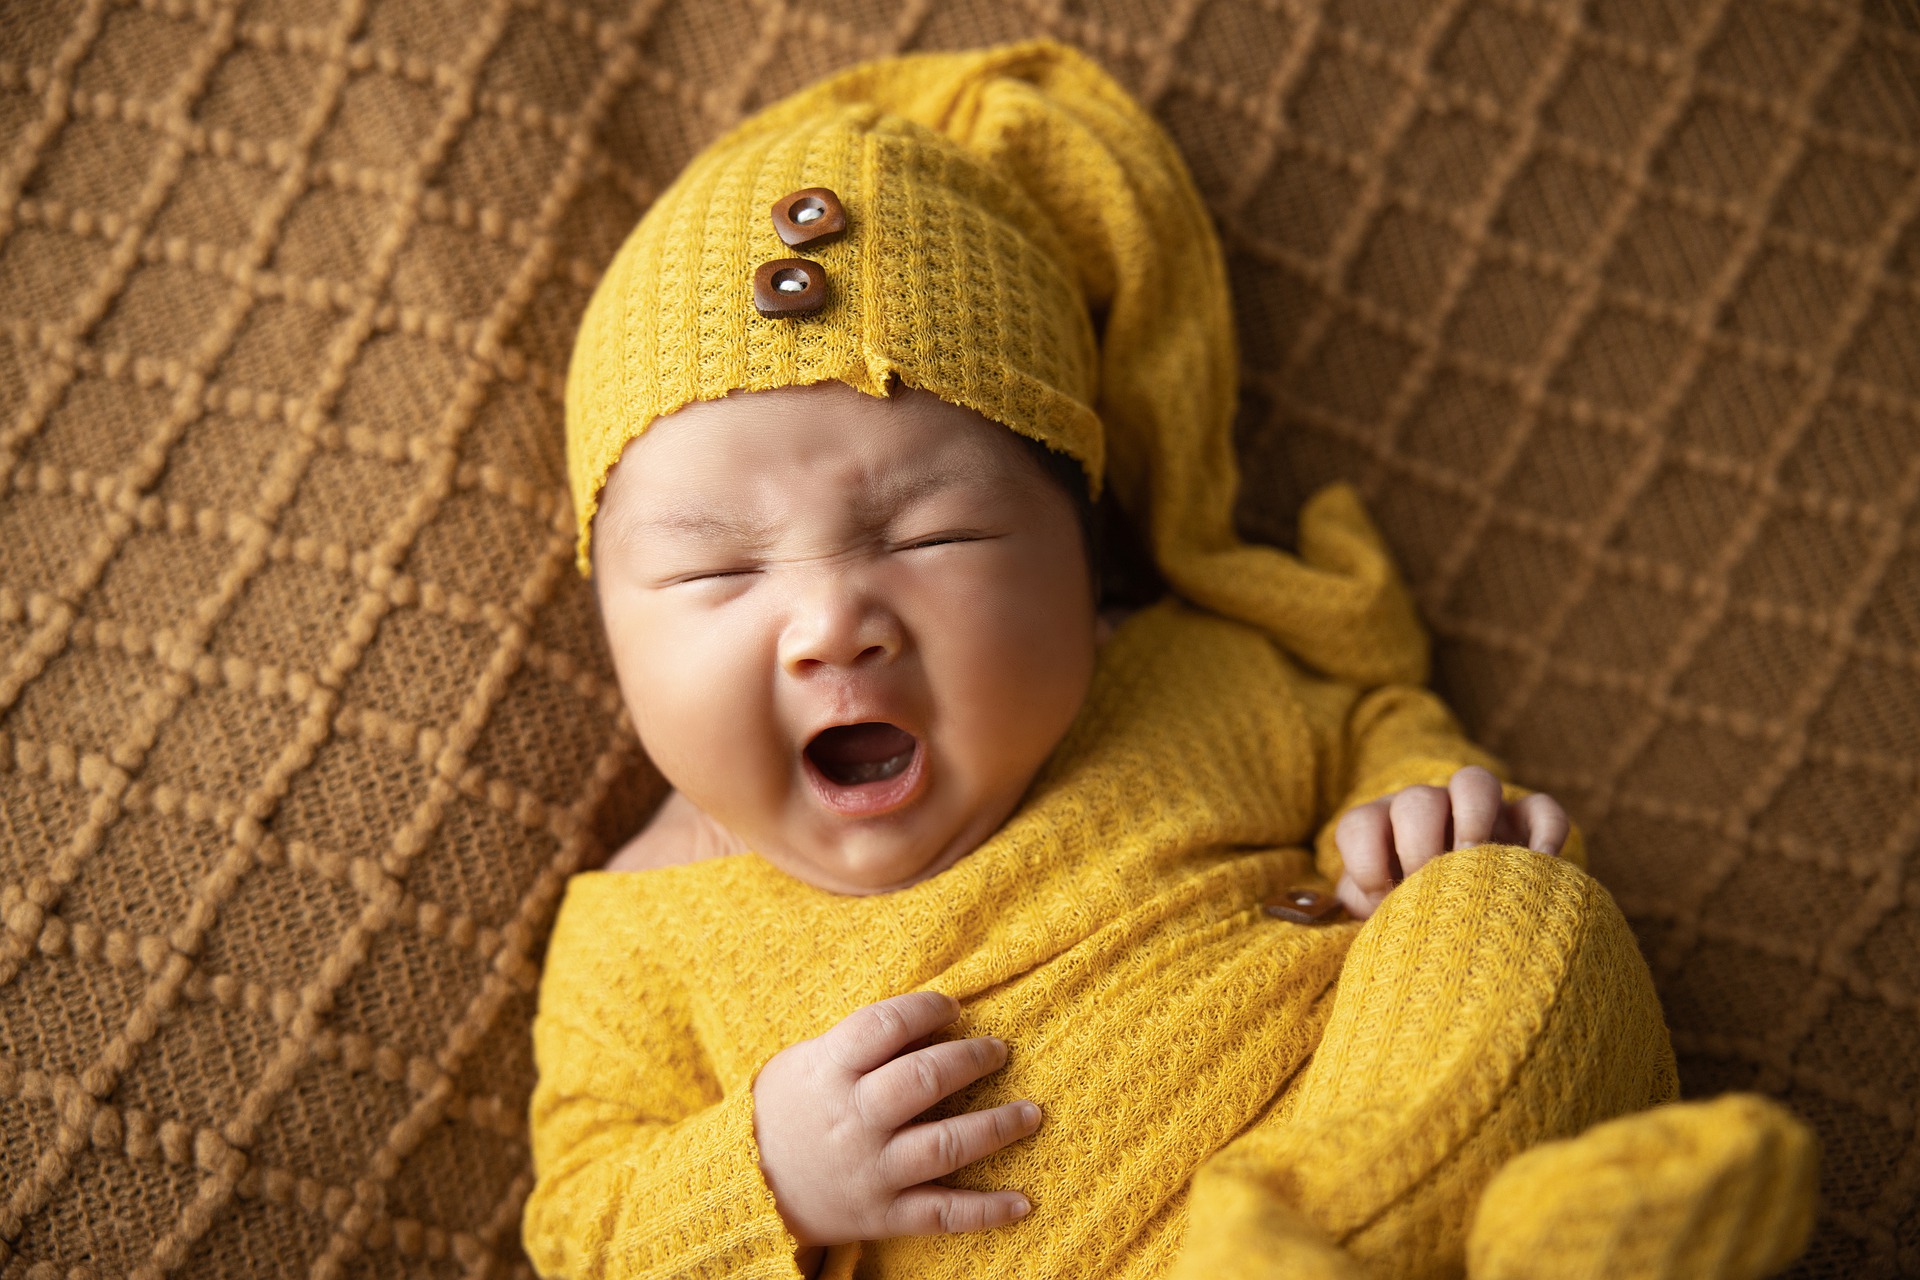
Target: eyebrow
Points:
(888, 499)
(696, 521)
(891, 497)
(691, 520)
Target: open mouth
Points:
(865, 769)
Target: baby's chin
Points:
(866, 870)
(860, 863)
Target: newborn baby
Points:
(851, 631)
(976, 936)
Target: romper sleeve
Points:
(1390, 738)
(642, 1166)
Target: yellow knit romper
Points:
(1225, 1093)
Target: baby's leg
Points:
(1496, 1000)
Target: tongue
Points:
(851, 754)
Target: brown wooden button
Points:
(1304, 906)
(811, 215)
(789, 287)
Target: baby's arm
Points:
(642, 1165)
(645, 1167)
(1412, 787)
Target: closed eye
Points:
(941, 540)
(707, 575)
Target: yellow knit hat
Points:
(996, 202)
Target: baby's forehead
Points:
(909, 443)
(818, 446)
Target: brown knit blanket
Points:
(1612, 310)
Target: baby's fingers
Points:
(1365, 840)
(874, 1033)
(1475, 793)
(1543, 825)
(889, 1096)
(923, 1152)
(1420, 816)
(932, 1211)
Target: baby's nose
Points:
(839, 627)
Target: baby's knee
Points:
(1525, 929)
(1495, 916)
(1519, 925)
(1500, 898)
(1492, 890)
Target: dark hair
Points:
(1121, 568)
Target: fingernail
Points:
(1029, 1114)
(1022, 1207)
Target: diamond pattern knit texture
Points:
(1612, 311)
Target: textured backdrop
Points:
(1613, 309)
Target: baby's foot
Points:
(1720, 1190)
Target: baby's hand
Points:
(832, 1117)
(1384, 842)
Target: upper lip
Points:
(866, 711)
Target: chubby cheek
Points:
(697, 692)
(1010, 656)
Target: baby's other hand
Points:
(1387, 840)
(833, 1118)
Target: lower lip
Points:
(870, 799)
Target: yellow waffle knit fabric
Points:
(1272, 1094)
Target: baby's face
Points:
(848, 629)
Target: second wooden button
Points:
(789, 287)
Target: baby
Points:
(851, 631)
(947, 853)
